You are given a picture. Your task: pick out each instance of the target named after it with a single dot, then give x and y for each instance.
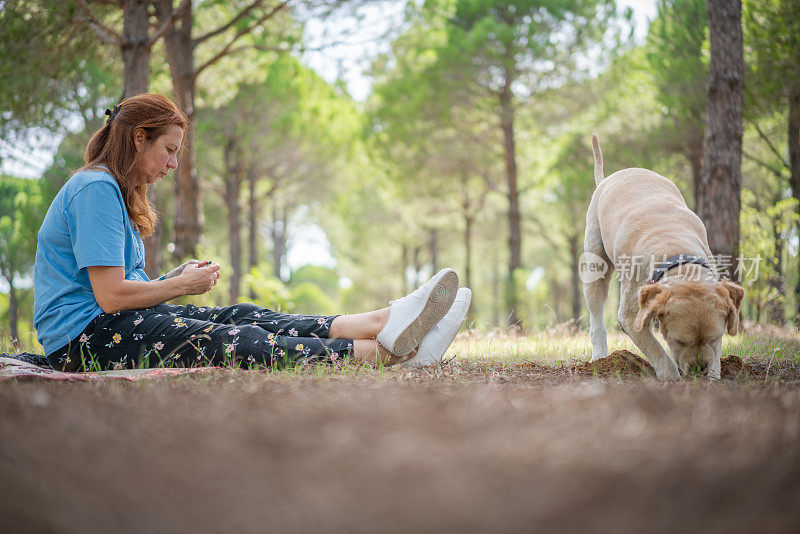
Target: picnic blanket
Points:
(26, 366)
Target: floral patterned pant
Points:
(244, 334)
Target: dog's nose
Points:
(699, 367)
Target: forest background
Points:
(472, 148)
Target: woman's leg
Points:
(370, 352)
(352, 326)
(155, 337)
(287, 324)
(364, 326)
(361, 328)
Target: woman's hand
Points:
(197, 280)
(179, 269)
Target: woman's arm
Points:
(114, 293)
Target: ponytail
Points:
(97, 143)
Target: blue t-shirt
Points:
(86, 225)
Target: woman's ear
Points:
(139, 138)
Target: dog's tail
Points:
(598, 160)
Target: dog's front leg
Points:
(654, 352)
(644, 339)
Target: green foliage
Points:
(307, 296)
(762, 265)
(21, 214)
(326, 278)
(677, 56)
(51, 69)
(772, 34)
(268, 291)
(537, 43)
(25, 339)
(68, 158)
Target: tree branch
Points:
(169, 23)
(242, 14)
(544, 233)
(105, 33)
(260, 48)
(767, 166)
(769, 143)
(227, 48)
(490, 183)
(523, 190)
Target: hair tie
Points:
(112, 113)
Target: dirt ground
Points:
(470, 446)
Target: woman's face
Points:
(158, 156)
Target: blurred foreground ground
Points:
(491, 441)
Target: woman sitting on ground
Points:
(95, 306)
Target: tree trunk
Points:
(514, 233)
(575, 283)
(403, 263)
(794, 177)
(233, 180)
(284, 239)
(180, 55)
(136, 51)
(496, 320)
(694, 154)
(468, 223)
(152, 243)
(253, 213)
(558, 298)
(775, 310)
(279, 221)
(277, 240)
(434, 250)
(417, 266)
(719, 202)
(13, 311)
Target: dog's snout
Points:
(701, 368)
(695, 368)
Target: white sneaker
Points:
(413, 316)
(435, 344)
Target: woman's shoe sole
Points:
(438, 304)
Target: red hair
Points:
(113, 146)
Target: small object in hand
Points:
(204, 263)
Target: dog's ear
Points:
(651, 300)
(733, 295)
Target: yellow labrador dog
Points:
(639, 224)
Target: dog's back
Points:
(638, 209)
